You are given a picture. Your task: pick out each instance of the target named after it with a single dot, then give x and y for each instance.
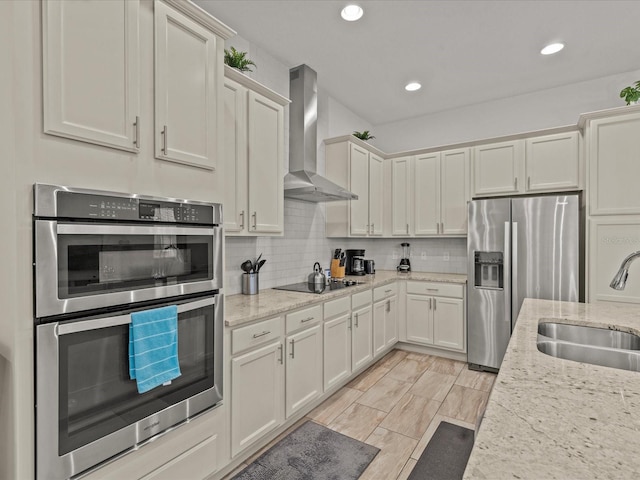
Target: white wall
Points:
(550, 108)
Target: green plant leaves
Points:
(237, 59)
(364, 135)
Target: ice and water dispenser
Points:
(489, 270)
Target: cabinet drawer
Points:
(337, 307)
(256, 334)
(304, 318)
(385, 291)
(436, 289)
(361, 299)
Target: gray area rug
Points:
(311, 452)
(446, 455)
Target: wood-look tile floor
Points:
(397, 404)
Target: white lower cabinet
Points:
(195, 450)
(435, 315)
(361, 329)
(337, 341)
(257, 383)
(303, 381)
(385, 318)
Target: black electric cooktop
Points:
(305, 287)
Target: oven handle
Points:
(89, 229)
(65, 329)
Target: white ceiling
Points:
(463, 52)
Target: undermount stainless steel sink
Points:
(590, 336)
(597, 346)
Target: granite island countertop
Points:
(241, 309)
(552, 418)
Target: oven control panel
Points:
(105, 207)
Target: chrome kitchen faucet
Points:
(620, 280)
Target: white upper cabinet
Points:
(376, 186)
(186, 70)
(91, 71)
(400, 195)
(613, 150)
(551, 163)
(359, 173)
(547, 163)
(454, 191)
(253, 157)
(426, 185)
(497, 168)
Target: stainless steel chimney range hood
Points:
(302, 182)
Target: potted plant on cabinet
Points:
(631, 94)
(365, 135)
(238, 60)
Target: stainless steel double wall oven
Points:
(98, 257)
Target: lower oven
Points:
(99, 258)
(87, 408)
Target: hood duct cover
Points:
(302, 182)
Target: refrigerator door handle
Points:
(514, 274)
(507, 275)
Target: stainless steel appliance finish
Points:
(306, 287)
(98, 257)
(517, 248)
(137, 248)
(369, 267)
(302, 182)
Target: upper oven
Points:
(98, 250)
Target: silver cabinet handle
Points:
(373, 228)
(438, 228)
(258, 335)
(136, 127)
(281, 359)
(293, 342)
(433, 289)
(442, 228)
(430, 303)
(368, 229)
(164, 140)
(356, 320)
(434, 304)
(515, 184)
(407, 229)
(255, 220)
(349, 324)
(388, 291)
(388, 305)
(308, 319)
(242, 219)
(528, 183)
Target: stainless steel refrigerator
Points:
(527, 247)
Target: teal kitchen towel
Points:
(153, 347)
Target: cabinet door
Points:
(376, 193)
(266, 153)
(235, 156)
(337, 350)
(391, 321)
(400, 183)
(379, 312)
(258, 374)
(361, 337)
(497, 168)
(91, 71)
(185, 89)
(454, 191)
(448, 323)
(427, 194)
(552, 163)
(614, 165)
(304, 368)
(359, 184)
(419, 319)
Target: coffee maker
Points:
(405, 263)
(354, 262)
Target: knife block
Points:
(337, 271)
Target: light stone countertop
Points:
(549, 418)
(242, 309)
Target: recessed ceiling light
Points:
(552, 48)
(412, 87)
(351, 13)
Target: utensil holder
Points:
(250, 284)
